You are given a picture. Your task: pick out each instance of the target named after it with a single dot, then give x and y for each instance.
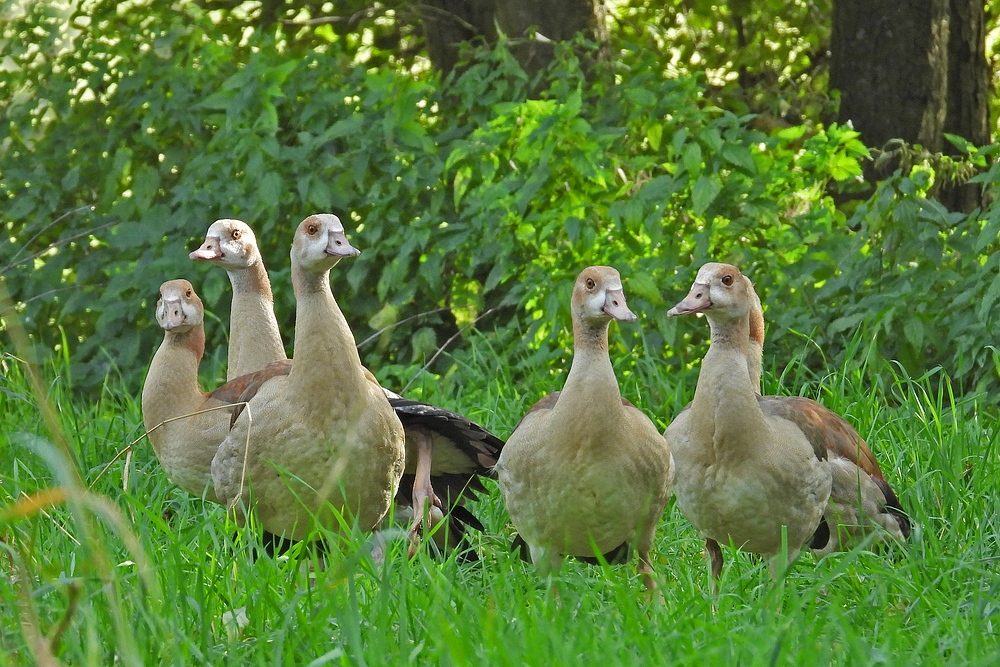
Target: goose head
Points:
(598, 296)
(720, 291)
(229, 243)
(179, 308)
(320, 243)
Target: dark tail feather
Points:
(459, 519)
(520, 546)
(822, 535)
(467, 518)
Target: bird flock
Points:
(319, 443)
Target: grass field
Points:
(135, 571)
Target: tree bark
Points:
(968, 73)
(914, 70)
(890, 64)
(534, 27)
(968, 114)
(449, 23)
(531, 27)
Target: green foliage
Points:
(922, 281)
(766, 57)
(476, 199)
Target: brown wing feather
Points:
(243, 388)
(548, 402)
(545, 403)
(826, 430)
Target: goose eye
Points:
(312, 229)
(727, 280)
(237, 234)
(590, 283)
(189, 293)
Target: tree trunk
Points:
(968, 92)
(534, 26)
(449, 23)
(531, 27)
(914, 70)
(890, 64)
(968, 73)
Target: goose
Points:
(444, 450)
(585, 472)
(254, 339)
(320, 441)
(185, 424)
(751, 466)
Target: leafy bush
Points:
(921, 280)
(482, 194)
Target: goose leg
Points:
(645, 563)
(714, 552)
(547, 562)
(425, 501)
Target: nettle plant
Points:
(922, 282)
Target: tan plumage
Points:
(184, 423)
(254, 340)
(585, 471)
(444, 450)
(748, 465)
(321, 439)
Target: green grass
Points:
(145, 574)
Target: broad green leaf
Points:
(703, 193)
(461, 183)
(793, 133)
(270, 189)
(495, 276)
(679, 140)
(913, 329)
(145, 183)
(739, 156)
(71, 179)
(643, 285)
(989, 299)
(843, 167)
(845, 323)
(573, 225)
(692, 159)
(654, 134)
(712, 138)
(990, 230)
(659, 189)
(344, 127)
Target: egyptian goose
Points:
(254, 340)
(444, 450)
(748, 465)
(322, 440)
(585, 472)
(185, 424)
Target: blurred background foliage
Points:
(698, 131)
